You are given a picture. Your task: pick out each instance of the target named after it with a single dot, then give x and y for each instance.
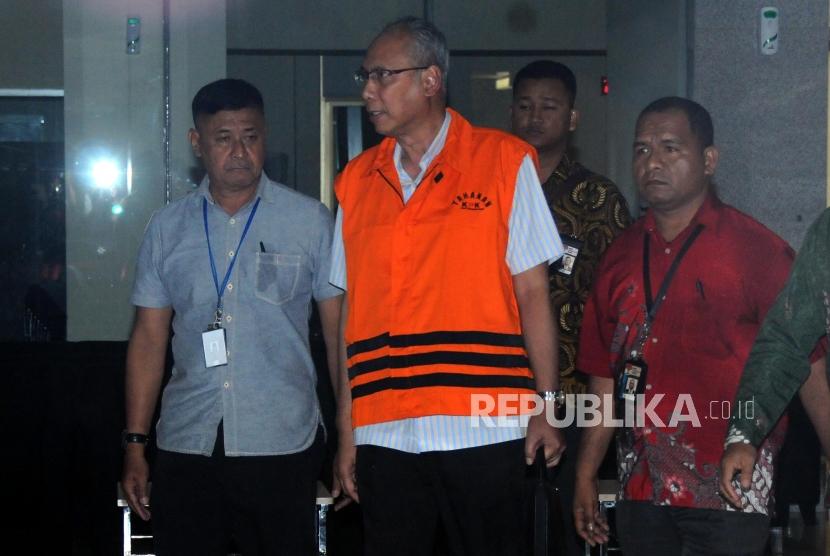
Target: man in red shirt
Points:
(677, 302)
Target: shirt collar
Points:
(434, 149)
(564, 168)
(455, 152)
(707, 214)
(263, 192)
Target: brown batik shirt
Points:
(590, 212)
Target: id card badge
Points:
(632, 380)
(213, 342)
(567, 263)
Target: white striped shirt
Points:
(532, 240)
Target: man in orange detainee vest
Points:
(442, 243)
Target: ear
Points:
(432, 81)
(710, 160)
(574, 119)
(193, 136)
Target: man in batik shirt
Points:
(588, 208)
(589, 212)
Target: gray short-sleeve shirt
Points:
(265, 395)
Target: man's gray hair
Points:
(429, 47)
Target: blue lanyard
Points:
(221, 291)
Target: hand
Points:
(589, 522)
(345, 479)
(134, 480)
(542, 433)
(738, 459)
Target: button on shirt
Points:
(265, 395)
(532, 240)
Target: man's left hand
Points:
(542, 433)
(738, 459)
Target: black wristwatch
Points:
(133, 438)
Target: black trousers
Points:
(266, 504)
(645, 530)
(476, 494)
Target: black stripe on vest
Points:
(437, 337)
(442, 379)
(438, 358)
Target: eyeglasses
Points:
(380, 75)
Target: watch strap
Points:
(133, 438)
(555, 396)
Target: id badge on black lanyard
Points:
(567, 263)
(632, 379)
(634, 372)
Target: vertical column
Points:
(646, 60)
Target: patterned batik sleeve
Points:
(603, 216)
(594, 212)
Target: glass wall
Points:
(33, 231)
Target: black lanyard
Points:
(651, 305)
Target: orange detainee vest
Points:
(432, 318)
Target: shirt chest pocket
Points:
(277, 276)
(709, 320)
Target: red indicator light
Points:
(603, 85)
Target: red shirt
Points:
(695, 352)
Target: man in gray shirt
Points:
(234, 265)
